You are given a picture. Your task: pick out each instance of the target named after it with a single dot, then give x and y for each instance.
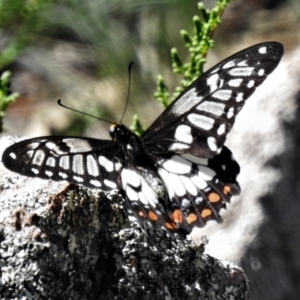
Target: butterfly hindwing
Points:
(199, 120)
(145, 203)
(90, 162)
(195, 188)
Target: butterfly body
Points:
(182, 151)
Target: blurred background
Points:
(79, 51)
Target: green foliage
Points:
(5, 97)
(19, 22)
(136, 126)
(162, 93)
(197, 45)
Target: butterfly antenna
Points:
(128, 91)
(83, 113)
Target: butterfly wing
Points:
(143, 202)
(198, 121)
(186, 141)
(193, 193)
(198, 188)
(90, 162)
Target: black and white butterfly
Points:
(183, 150)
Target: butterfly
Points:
(178, 174)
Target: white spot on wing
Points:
(214, 108)
(13, 155)
(35, 145)
(78, 178)
(230, 113)
(221, 129)
(262, 50)
(195, 159)
(183, 134)
(64, 162)
(177, 185)
(243, 63)
(240, 97)
(50, 162)
(30, 153)
(199, 182)
(199, 200)
(35, 171)
(76, 145)
(212, 143)
(131, 194)
(201, 121)
(222, 94)
(38, 158)
(189, 186)
(186, 203)
(247, 71)
(178, 147)
(49, 173)
(110, 184)
(77, 165)
(177, 164)
(63, 175)
(235, 82)
(215, 70)
(131, 177)
(229, 64)
(58, 151)
(261, 72)
(186, 102)
(107, 164)
(50, 145)
(206, 173)
(118, 166)
(92, 166)
(250, 84)
(95, 183)
(149, 194)
(212, 82)
(142, 198)
(168, 183)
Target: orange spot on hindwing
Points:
(226, 189)
(206, 213)
(141, 214)
(152, 216)
(177, 216)
(171, 226)
(191, 218)
(214, 197)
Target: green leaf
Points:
(197, 45)
(6, 98)
(136, 126)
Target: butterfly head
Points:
(119, 132)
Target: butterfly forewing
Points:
(91, 162)
(183, 150)
(199, 120)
